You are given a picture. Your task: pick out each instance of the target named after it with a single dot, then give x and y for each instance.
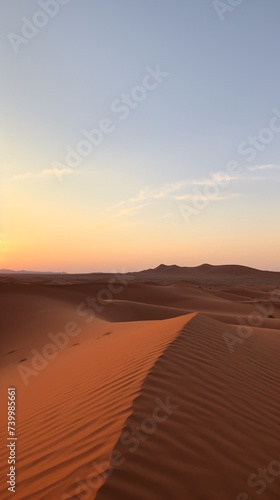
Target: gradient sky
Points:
(124, 206)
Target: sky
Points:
(139, 133)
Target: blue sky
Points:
(222, 86)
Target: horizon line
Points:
(26, 271)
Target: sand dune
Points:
(87, 391)
(161, 274)
(69, 420)
(204, 272)
(222, 422)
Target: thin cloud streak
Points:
(171, 191)
(130, 211)
(256, 168)
(210, 197)
(154, 193)
(42, 174)
(176, 191)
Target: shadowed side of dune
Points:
(205, 421)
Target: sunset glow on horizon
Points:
(138, 154)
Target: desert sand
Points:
(162, 385)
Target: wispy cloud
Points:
(216, 177)
(184, 190)
(210, 197)
(257, 168)
(129, 211)
(171, 191)
(44, 173)
(157, 193)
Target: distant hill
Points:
(207, 271)
(10, 271)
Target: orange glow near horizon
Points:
(45, 230)
(69, 255)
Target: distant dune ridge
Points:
(207, 271)
(164, 386)
(168, 272)
(11, 271)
